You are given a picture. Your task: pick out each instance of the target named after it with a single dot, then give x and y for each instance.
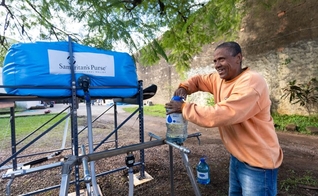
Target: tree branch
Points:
(7, 8)
(134, 3)
(47, 21)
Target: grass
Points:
(154, 110)
(27, 124)
(300, 121)
(294, 181)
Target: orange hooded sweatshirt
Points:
(242, 114)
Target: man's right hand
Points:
(174, 107)
(181, 92)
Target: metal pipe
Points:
(8, 189)
(64, 184)
(122, 150)
(22, 172)
(190, 174)
(90, 143)
(116, 129)
(65, 132)
(87, 175)
(131, 181)
(181, 148)
(13, 139)
(171, 170)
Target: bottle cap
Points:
(202, 159)
(176, 98)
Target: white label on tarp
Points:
(84, 62)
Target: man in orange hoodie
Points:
(242, 114)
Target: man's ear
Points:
(239, 58)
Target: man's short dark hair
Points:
(233, 47)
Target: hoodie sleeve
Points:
(242, 103)
(197, 83)
(234, 110)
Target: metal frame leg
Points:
(171, 170)
(8, 187)
(190, 174)
(91, 147)
(184, 151)
(66, 170)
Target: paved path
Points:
(95, 109)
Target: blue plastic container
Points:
(203, 172)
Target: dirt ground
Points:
(298, 169)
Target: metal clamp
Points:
(197, 135)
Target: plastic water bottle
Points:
(203, 172)
(177, 126)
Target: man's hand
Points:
(181, 92)
(174, 107)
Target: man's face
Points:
(226, 65)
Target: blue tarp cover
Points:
(46, 64)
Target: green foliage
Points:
(287, 61)
(301, 121)
(216, 20)
(304, 94)
(5, 43)
(294, 181)
(210, 101)
(134, 24)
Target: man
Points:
(242, 114)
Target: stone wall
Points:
(280, 43)
(297, 61)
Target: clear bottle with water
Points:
(177, 126)
(203, 172)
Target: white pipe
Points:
(65, 132)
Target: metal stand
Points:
(74, 107)
(73, 161)
(84, 82)
(130, 162)
(184, 151)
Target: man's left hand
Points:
(174, 107)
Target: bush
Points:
(305, 94)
